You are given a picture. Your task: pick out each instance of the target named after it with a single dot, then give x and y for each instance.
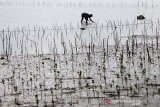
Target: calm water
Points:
(17, 13)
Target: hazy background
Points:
(19, 13)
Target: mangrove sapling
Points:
(128, 50)
(157, 41)
(133, 45)
(126, 80)
(3, 41)
(42, 41)
(37, 100)
(149, 57)
(41, 89)
(104, 52)
(118, 91)
(155, 77)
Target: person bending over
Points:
(87, 17)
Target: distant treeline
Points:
(77, 4)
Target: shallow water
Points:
(46, 54)
(19, 13)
